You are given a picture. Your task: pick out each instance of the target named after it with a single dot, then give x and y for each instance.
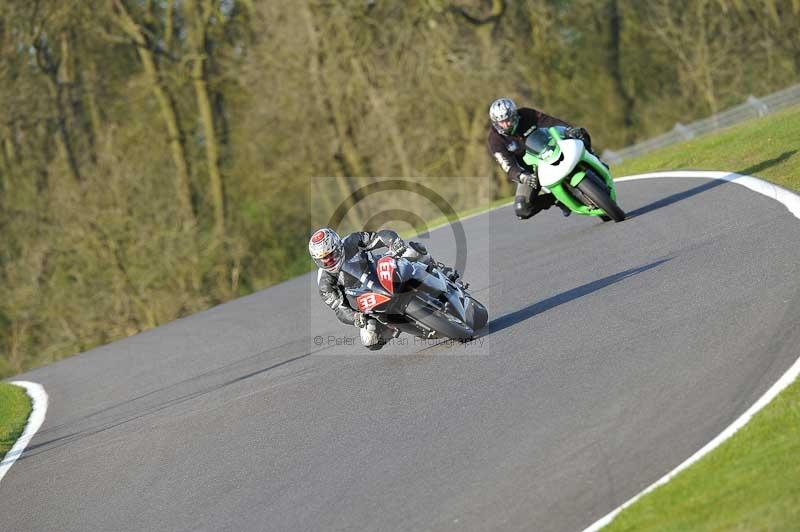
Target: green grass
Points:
(768, 147)
(15, 407)
(752, 481)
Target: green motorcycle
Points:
(574, 175)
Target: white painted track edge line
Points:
(785, 380)
(38, 411)
(792, 202)
(788, 198)
(784, 196)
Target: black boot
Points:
(565, 211)
(548, 200)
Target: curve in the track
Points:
(792, 203)
(614, 351)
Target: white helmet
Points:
(504, 116)
(327, 250)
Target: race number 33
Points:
(370, 300)
(386, 267)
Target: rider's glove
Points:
(360, 320)
(580, 134)
(397, 248)
(530, 180)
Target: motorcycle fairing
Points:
(571, 152)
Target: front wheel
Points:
(477, 315)
(598, 195)
(447, 326)
(444, 324)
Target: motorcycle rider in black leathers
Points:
(329, 252)
(506, 143)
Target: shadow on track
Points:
(515, 317)
(669, 200)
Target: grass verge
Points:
(766, 148)
(15, 407)
(752, 481)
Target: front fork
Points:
(594, 162)
(567, 198)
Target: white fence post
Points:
(761, 108)
(684, 131)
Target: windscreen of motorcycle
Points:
(541, 145)
(429, 282)
(538, 141)
(404, 272)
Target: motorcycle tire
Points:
(445, 326)
(477, 315)
(598, 194)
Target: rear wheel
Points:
(598, 194)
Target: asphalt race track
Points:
(614, 352)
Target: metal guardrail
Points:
(752, 108)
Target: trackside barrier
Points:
(751, 108)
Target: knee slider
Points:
(522, 207)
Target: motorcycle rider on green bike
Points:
(510, 126)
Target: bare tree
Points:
(199, 14)
(145, 48)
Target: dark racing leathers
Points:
(331, 286)
(527, 202)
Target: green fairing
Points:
(577, 178)
(560, 192)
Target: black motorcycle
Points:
(412, 297)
